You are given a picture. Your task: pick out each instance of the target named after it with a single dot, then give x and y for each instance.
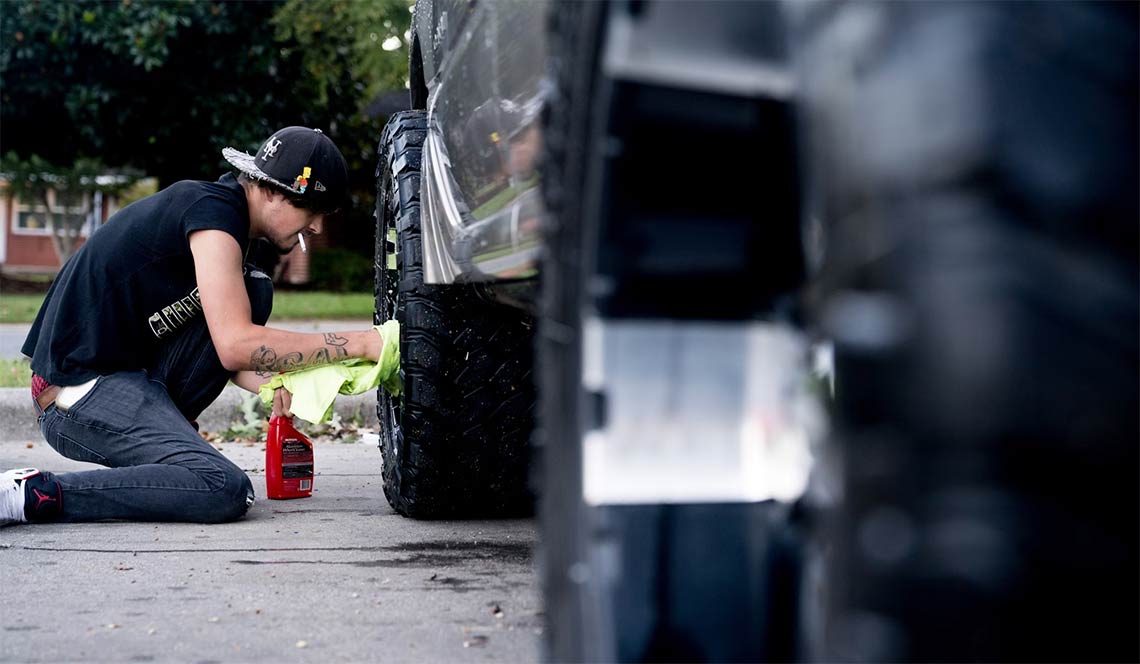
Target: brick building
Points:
(25, 232)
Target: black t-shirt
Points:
(131, 286)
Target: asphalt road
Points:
(335, 577)
(12, 336)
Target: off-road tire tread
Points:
(463, 445)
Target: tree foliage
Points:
(348, 42)
(155, 85)
(340, 45)
(162, 87)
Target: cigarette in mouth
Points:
(304, 249)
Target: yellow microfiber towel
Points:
(314, 390)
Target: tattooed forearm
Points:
(333, 351)
(262, 361)
(290, 362)
(337, 344)
(265, 361)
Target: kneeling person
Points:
(146, 323)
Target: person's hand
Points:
(282, 401)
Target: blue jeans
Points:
(138, 424)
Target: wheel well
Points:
(417, 86)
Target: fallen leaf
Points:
(477, 641)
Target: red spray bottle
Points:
(288, 461)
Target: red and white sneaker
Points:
(12, 495)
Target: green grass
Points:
(317, 304)
(500, 200)
(286, 305)
(19, 308)
(15, 373)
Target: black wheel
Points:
(456, 443)
(986, 439)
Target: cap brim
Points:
(246, 163)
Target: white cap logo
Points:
(271, 148)
(319, 186)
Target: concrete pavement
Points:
(335, 577)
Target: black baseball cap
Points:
(303, 163)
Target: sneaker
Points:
(12, 495)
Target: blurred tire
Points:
(977, 169)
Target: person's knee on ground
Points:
(231, 495)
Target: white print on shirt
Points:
(177, 314)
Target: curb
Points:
(18, 416)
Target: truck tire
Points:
(997, 251)
(455, 444)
